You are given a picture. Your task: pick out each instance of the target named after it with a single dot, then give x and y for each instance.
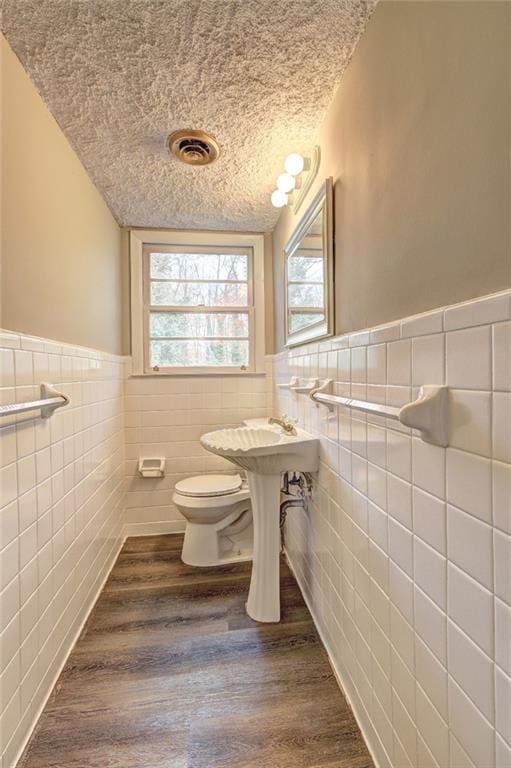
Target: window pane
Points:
(302, 295)
(201, 352)
(199, 266)
(200, 294)
(196, 325)
(300, 320)
(305, 268)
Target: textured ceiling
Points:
(120, 75)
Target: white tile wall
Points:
(61, 500)
(405, 553)
(165, 416)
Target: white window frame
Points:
(139, 314)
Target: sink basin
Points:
(241, 439)
(265, 452)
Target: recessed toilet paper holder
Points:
(148, 467)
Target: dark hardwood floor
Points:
(169, 672)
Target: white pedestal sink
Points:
(265, 453)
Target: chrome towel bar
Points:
(50, 400)
(429, 413)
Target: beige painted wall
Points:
(417, 140)
(61, 248)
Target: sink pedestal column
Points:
(263, 602)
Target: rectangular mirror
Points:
(309, 273)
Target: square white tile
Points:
(9, 523)
(469, 545)
(377, 364)
(7, 368)
(502, 496)
(430, 572)
(458, 758)
(429, 520)
(502, 426)
(428, 360)
(468, 355)
(428, 467)
(401, 546)
(503, 753)
(503, 705)
(399, 500)
(431, 625)
(433, 728)
(358, 365)
(431, 676)
(399, 454)
(469, 483)
(502, 552)
(503, 635)
(472, 669)
(401, 592)
(470, 605)
(470, 727)
(399, 369)
(502, 356)
(377, 485)
(471, 421)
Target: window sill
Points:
(201, 374)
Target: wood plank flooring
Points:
(170, 672)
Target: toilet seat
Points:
(209, 486)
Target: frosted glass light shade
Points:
(286, 182)
(294, 164)
(278, 198)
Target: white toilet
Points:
(218, 519)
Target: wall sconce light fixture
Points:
(287, 183)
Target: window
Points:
(199, 308)
(196, 303)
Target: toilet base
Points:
(204, 547)
(226, 560)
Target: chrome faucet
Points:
(287, 424)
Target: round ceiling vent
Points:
(193, 147)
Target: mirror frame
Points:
(324, 328)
